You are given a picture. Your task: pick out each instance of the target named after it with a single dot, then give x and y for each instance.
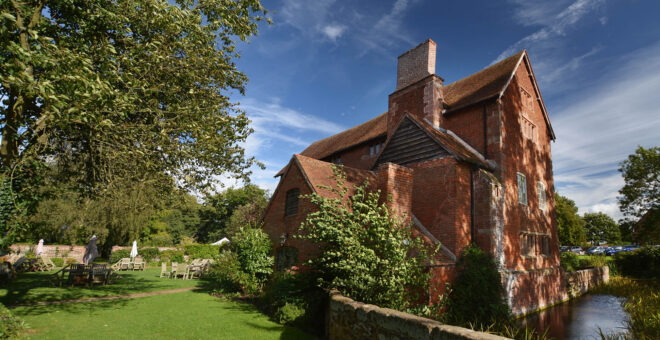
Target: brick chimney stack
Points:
(419, 92)
(416, 64)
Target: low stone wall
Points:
(348, 319)
(581, 281)
(52, 250)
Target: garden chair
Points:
(125, 264)
(22, 264)
(181, 270)
(139, 264)
(163, 270)
(49, 265)
(78, 274)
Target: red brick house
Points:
(467, 162)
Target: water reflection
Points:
(580, 318)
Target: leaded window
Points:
(291, 204)
(522, 189)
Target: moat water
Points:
(581, 318)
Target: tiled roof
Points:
(482, 85)
(320, 174)
(479, 86)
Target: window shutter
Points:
(291, 204)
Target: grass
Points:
(184, 315)
(642, 304)
(187, 315)
(34, 287)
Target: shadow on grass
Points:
(35, 287)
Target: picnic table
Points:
(79, 274)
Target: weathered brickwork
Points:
(494, 127)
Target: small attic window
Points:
(527, 99)
(336, 159)
(291, 204)
(528, 128)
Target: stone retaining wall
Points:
(348, 319)
(581, 281)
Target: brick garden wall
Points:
(55, 250)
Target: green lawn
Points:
(185, 315)
(34, 287)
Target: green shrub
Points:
(70, 260)
(119, 254)
(642, 263)
(172, 256)
(286, 294)
(477, 294)
(226, 275)
(10, 326)
(569, 261)
(594, 261)
(201, 251)
(252, 247)
(58, 261)
(289, 313)
(148, 254)
(366, 252)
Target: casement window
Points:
(527, 245)
(528, 128)
(534, 244)
(375, 149)
(291, 204)
(285, 257)
(540, 188)
(522, 189)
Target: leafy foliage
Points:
(477, 272)
(201, 251)
(601, 228)
(119, 254)
(10, 326)
(642, 263)
(365, 251)
(569, 261)
(253, 249)
(220, 208)
(570, 224)
(640, 195)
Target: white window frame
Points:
(542, 196)
(522, 188)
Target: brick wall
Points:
(348, 319)
(396, 186)
(359, 156)
(52, 250)
(415, 64)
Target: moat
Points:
(581, 318)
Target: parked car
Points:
(564, 249)
(614, 250)
(577, 250)
(597, 250)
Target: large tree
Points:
(640, 196)
(570, 224)
(110, 91)
(601, 228)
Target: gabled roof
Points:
(488, 83)
(448, 140)
(485, 84)
(319, 174)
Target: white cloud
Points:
(334, 31)
(603, 125)
(388, 31)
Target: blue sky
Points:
(326, 65)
